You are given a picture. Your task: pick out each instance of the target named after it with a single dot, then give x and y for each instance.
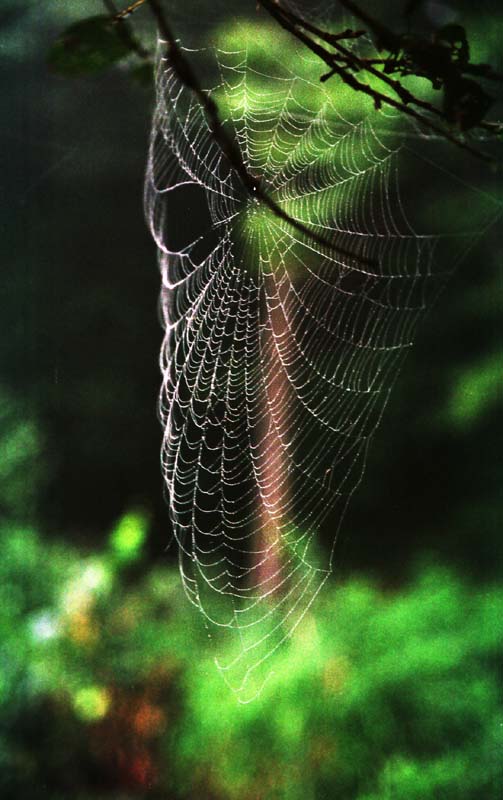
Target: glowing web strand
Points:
(279, 353)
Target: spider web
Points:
(280, 348)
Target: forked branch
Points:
(445, 62)
(405, 58)
(345, 63)
(185, 73)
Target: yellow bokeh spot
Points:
(82, 629)
(91, 703)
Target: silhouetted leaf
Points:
(465, 102)
(87, 47)
(454, 36)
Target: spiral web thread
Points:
(279, 351)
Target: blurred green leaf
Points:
(22, 458)
(87, 47)
(476, 391)
(129, 535)
(378, 694)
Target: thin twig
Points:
(130, 9)
(393, 41)
(124, 29)
(389, 39)
(352, 59)
(296, 26)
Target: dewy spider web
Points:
(279, 353)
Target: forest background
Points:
(107, 686)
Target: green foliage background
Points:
(109, 687)
(392, 687)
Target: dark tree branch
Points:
(408, 56)
(393, 42)
(300, 28)
(389, 40)
(184, 71)
(341, 61)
